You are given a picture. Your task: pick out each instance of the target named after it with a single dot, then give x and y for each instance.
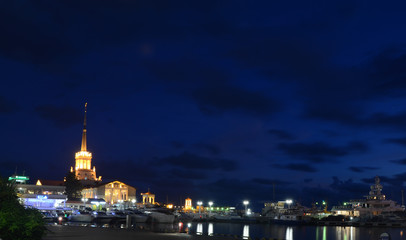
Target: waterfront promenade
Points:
(59, 232)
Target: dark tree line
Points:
(17, 222)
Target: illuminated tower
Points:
(83, 160)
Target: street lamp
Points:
(289, 201)
(120, 203)
(133, 201)
(84, 202)
(199, 203)
(210, 204)
(246, 202)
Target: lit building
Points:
(148, 198)
(46, 194)
(83, 161)
(188, 204)
(112, 192)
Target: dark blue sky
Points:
(216, 100)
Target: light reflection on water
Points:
(289, 233)
(246, 231)
(199, 229)
(210, 229)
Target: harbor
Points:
(223, 231)
(287, 220)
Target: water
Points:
(295, 232)
(258, 231)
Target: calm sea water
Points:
(276, 231)
(295, 232)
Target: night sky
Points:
(213, 100)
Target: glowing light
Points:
(19, 178)
(289, 233)
(199, 229)
(246, 232)
(289, 201)
(83, 154)
(210, 229)
(188, 204)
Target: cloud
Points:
(177, 144)
(396, 180)
(188, 174)
(387, 73)
(188, 160)
(129, 169)
(281, 134)
(267, 181)
(223, 97)
(7, 106)
(399, 161)
(318, 152)
(349, 187)
(60, 116)
(212, 149)
(400, 141)
(387, 120)
(211, 87)
(296, 167)
(307, 180)
(361, 169)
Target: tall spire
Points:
(84, 147)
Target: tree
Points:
(73, 187)
(16, 222)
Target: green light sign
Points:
(19, 178)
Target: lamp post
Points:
(289, 201)
(246, 202)
(210, 204)
(199, 203)
(120, 202)
(84, 202)
(133, 201)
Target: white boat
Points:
(102, 217)
(138, 216)
(160, 215)
(80, 216)
(227, 217)
(375, 205)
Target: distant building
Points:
(112, 192)
(148, 198)
(188, 204)
(46, 194)
(83, 161)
